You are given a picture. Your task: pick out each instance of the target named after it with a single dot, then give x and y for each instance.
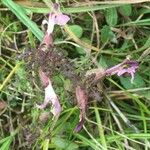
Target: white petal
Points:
(51, 24)
(44, 22)
(50, 94)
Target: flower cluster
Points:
(126, 67)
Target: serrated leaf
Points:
(77, 30)
(126, 10)
(111, 16)
(106, 34)
(137, 82)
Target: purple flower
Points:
(127, 66)
(55, 18)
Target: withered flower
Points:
(55, 17)
(82, 99)
(50, 95)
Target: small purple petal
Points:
(121, 72)
(58, 19)
(61, 19)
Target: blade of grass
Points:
(20, 13)
(6, 144)
(9, 76)
(120, 135)
(94, 140)
(6, 62)
(45, 144)
(68, 10)
(145, 46)
(57, 129)
(119, 124)
(111, 122)
(124, 118)
(100, 128)
(87, 141)
(131, 96)
(110, 2)
(133, 136)
(143, 22)
(145, 128)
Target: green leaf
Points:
(102, 62)
(81, 50)
(126, 10)
(111, 16)
(137, 82)
(77, 30)
(106, 34)
(64, 144)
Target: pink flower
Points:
(55, 18)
